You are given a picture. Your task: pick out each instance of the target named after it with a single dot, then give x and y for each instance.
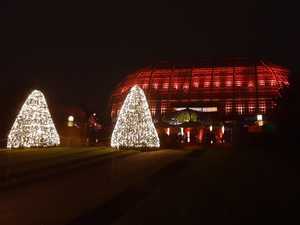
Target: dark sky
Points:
(77, 52)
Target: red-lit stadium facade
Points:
(219, 93)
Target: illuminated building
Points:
(217, 91)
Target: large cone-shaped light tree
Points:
(33, 126)
(134, 127)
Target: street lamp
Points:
(259, 119)
(71, 121)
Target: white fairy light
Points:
(33, 126)
(134, 127)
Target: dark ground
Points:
(215, 186)
(211, 185)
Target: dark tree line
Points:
(287, 116)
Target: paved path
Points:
(61, 199)
(220, 187)
(212, 186)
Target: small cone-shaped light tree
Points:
(134, 127)
(33, 126)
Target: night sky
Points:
(77, 52)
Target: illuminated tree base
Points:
(140, 149)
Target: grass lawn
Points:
(62, 198)
(17, 157)
(20, 163)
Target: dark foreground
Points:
(199, 186)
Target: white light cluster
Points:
(33, 126)
(134, 127)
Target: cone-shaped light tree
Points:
(134, 127)
(33, 126)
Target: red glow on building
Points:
(251, 107)
(272, 82)
(188, 134)
(238, 83)
(228, 107)
(236, 87)
(196, 84)
(240, 108)
(228, 83)
(186, 86)
(261, 82)
(217, 84)
(201, 135)
(206, 84)
(250, 84)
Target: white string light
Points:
(33, 126)
(134, 127)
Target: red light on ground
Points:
(217, 83)
(165, 85)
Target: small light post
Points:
(71, 121)
(259, 119)
(181, 131)
(211, 134)
(188, 134)
(168, 131)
